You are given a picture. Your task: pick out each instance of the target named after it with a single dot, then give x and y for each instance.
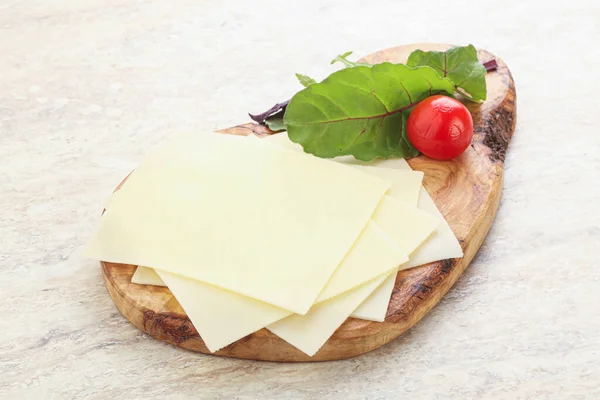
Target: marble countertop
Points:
(87, 88)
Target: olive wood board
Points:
(466, 190)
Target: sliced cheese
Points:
(316, 211)
(406, 225)
(367, 255)
(221, 317)
(371, 256)
(189, 292)
(375, 307)
(309, 332)
(146, 276)
(440, 245)
(405, 183)
(214, 322)
(409, 227)
(443, 243)
(406, 228)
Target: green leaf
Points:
(459, 64)
(275, 122)
(361, 111)
(305, 80)
(343, 58)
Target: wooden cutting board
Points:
(466, 190)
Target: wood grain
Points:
(466, 190)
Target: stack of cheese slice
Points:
(252, 233)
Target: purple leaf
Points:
(260, 118)
(491, 65)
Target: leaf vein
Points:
(332, 102)
(372, 93)
(369, 117)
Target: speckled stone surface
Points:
(88, 87)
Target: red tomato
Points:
(440, 127)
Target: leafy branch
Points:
(362, 109)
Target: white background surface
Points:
(88, 87)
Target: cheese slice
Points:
(405, 187)
(197, 183)
(406, 225)
(416, 227)
(443, 243)
(370, 257)
(405, 184)
(146, 276)
(309, 332)
(239, 320)
(190, 292)
(375, 307)
(440, 245)
(193, 295)
(366, 256)
(222, 317)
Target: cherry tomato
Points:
(440, 127)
